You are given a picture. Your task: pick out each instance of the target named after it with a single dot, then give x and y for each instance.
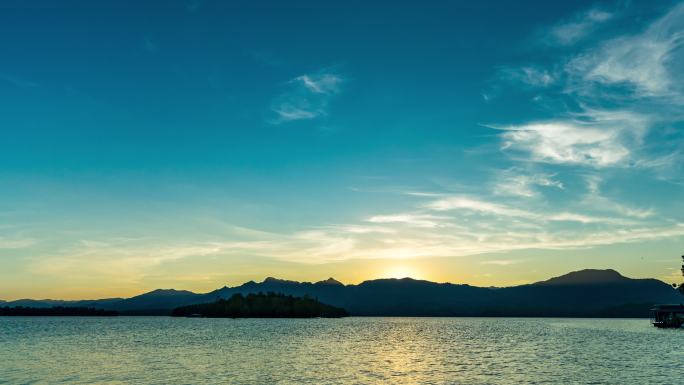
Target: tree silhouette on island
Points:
(260, 305)
(681, 285)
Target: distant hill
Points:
(585, 293)
(588, 276)
(57, 311)
(43, 303)
(159, 301)
(270, 305)
(588, 293)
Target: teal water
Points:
(141, 350)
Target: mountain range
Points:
(585, 293)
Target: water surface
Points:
(160, 350)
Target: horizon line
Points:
(324, 280)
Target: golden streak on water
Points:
(162, 350)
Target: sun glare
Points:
(400, 272)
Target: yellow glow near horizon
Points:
(206, 273)
(401, 271)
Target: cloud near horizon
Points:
(465, 226)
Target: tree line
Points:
(260, 305)
(55, 311)
(681, 285)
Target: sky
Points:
(194, 144)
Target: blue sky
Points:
(192, 144)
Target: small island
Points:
(269, 305)
(56, 311)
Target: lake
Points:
(161, 350)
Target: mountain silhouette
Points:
(46, 303)
(330, 281)
(585, 293)
(156, 302)
(587, 276)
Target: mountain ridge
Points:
(583, 293)
(585, 276)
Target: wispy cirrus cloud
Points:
(514, 182)
(477, 205)
(488, 208)
(575, 29)
(610, 104)
(530, 75)
(363, 229)
(616, 92)
(128, 260)
(321, 84)
(501, 262)
(596, 201)
(438, 225)
(470, 226)
(587, 219)
(594, 143)
(306, 97)
(648, 62)
(16, 243)
(413, 219)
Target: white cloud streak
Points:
(467, 204)
(573, 31)
(464, 226)
(415, 220)
(512, 182)
(500, 262)
(610, 84)
(306, 97)
(479, 206)
(528, 75)
(320, 84)
(16, 243)
(645, 61)
(567, 142)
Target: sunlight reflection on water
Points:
(149, 350)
